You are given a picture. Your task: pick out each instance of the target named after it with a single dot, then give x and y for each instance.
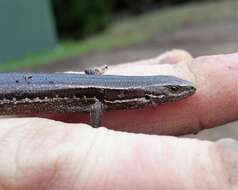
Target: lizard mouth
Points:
(183, 94)
(170, 96)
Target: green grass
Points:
(132, 31)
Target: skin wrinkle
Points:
(198, 124)
(9, 131)
(123, 142)
(55, 170)
(32, 137)
(111, 173)
(188, 66)
(7, 135)
(234, 95)
(205, 175)
(91, 151)
(117, 139)
(19, 169)
(229, 103)
(103, 162)
(111, 139)
(226, 151)
(141, 151)
(199, 170)
(86, 169)
(60, 166)
(214, 177)
(47, 165)
(198, 166)
(205, 121)
(33, 134)
(65, 162)
(234, 92)
(124, 151)
(147, 158)
(57, 165)
(53, 179)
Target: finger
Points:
(154, 66)
(42, 154)
(214, 103)
(174, 56)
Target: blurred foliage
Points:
(133, 30)
(140, 6)
(81, 18)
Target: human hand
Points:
(45, 154)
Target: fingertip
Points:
(215, 101)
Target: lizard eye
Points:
(174, 88)
(147, 97)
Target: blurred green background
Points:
(38, 35)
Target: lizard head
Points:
(169, 89)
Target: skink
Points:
(32, 93)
